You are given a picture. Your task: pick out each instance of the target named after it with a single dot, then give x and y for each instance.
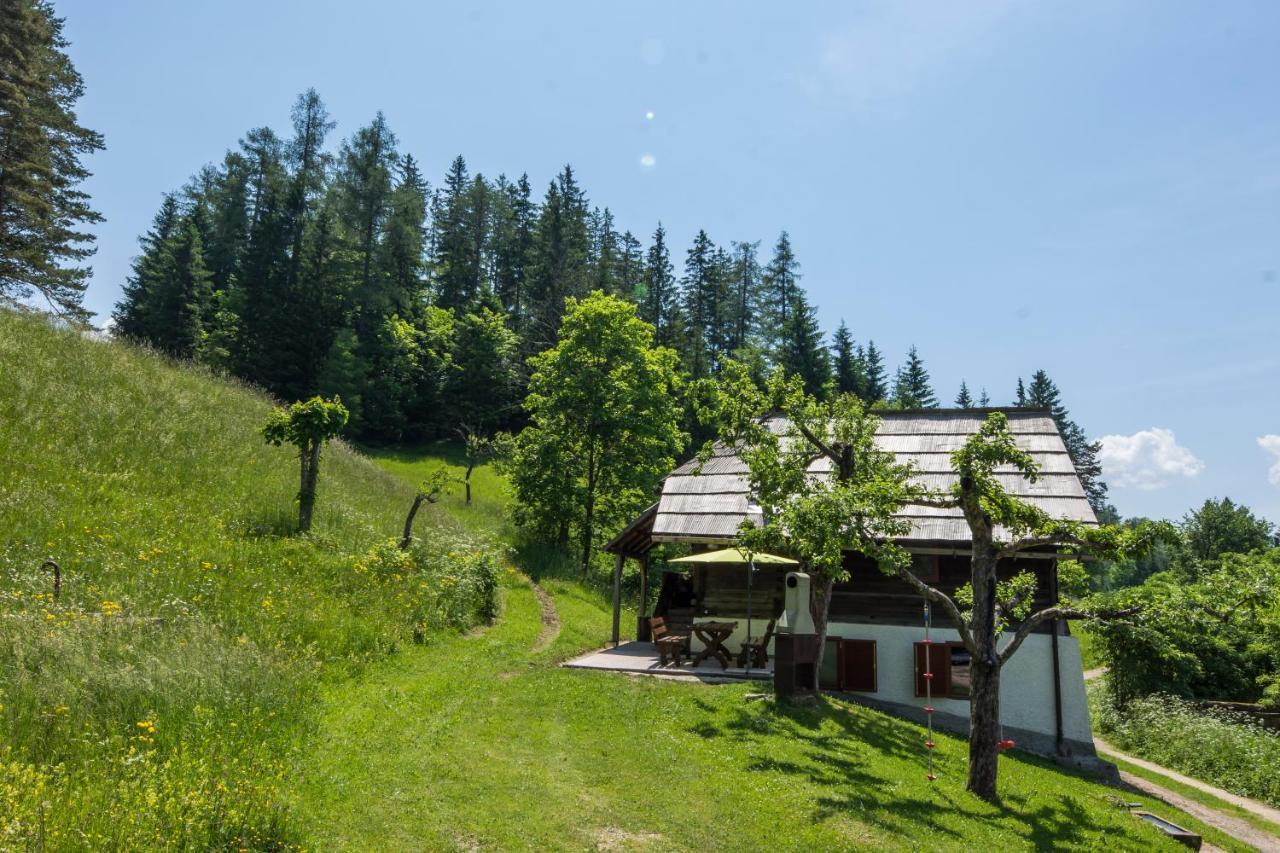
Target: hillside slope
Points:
(163, 694)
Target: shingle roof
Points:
(711, 503)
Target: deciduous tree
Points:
(308, 426)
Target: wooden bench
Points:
(670, 645)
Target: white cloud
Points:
(1148, 459)
(891, 46)
(1271, 444)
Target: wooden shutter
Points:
(858, 665)
(940, 658)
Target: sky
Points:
(1091, 188)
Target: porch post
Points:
(642, 621)
(617, 595)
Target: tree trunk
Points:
(984, 669)
(408, 521)
(307, 493)
(471, 464)
(820, 617)
(589, 512)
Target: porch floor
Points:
(642, 659)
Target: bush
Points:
(1216, 746)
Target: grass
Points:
(1089, 653)
(168, 692)
(1218, 747)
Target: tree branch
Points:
(816, 442)
(1035, 620)
(937, 503)
(1040, 542)
(942, 598)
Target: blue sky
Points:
(1091, 188)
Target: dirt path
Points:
(1096, 672)
(1238, 829)
(550, 618)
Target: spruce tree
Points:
(743, 311)
(402, 251)
(658, 308)
(604, 253)
(801, 351)
(136, 314)
(513, 240)
(781, 285)
(984, 399)
(559, 259)
(912, 389)
(877, 376)
(42, 210)
(846, 365)
(183, 298)
(1044, 394)
(1020, 396)
(454, 259)
(964, 400)
(700, 292)
(630, 268)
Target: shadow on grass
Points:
(269, 524)
(857, 769)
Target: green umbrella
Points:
(738, 556)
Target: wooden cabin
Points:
(874, 648)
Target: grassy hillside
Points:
(164, 694)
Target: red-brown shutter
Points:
(940, 657)
(858, 665)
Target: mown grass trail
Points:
(481, 742)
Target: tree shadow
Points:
(268, 524)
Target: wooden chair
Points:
(758, 650)
(670, 645)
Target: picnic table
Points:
(713, 635)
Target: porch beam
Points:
(617, 595)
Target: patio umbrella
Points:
(741, 557)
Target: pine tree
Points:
(848, 370)
(984, 399)
(42, 209)
(701, 305)
(1044, 394)
(183, 299)
(877, 376)
(604, 253)
(306, 155)
(912, 389)
(964, 400)
(659, 306)
(402, 251)
(1020, 397)
(260, 277)
(801, 352)
(781, 285)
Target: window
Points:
(949, 663)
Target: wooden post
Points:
(617, 596)
(642, 621)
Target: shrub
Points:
(1224, 748)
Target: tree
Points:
(658, 308)
(603, 424)
(846, 364)
(800, 350)
(702, 299)
(781, 285)
(630, 268)
(483, 375)
(476, 446)
(135, 315)
(964, 400)
(984, 399)
(560, 256)
(1043, 394)
(513, 240)
(877, 377)
(912, 389)
(1223, 527)
(456, 264)
(429, 491)
(308, 426)
(42, 210)
(743, 310)
(817, 520)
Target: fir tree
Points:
(742, 313)
(604, 253)
(630, 268)
(912, 389)
(984, 399)
(402, 251)
(1020, 397)
(877, 376)
(513, 240)
(560, 257)
(658, 307)
(183, 298)
(1044, 394)
(700, 292)
(801, 352)
(454, 257)
(964, 400)
(136, 314)
(42, 209)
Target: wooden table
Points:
(713, 635)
